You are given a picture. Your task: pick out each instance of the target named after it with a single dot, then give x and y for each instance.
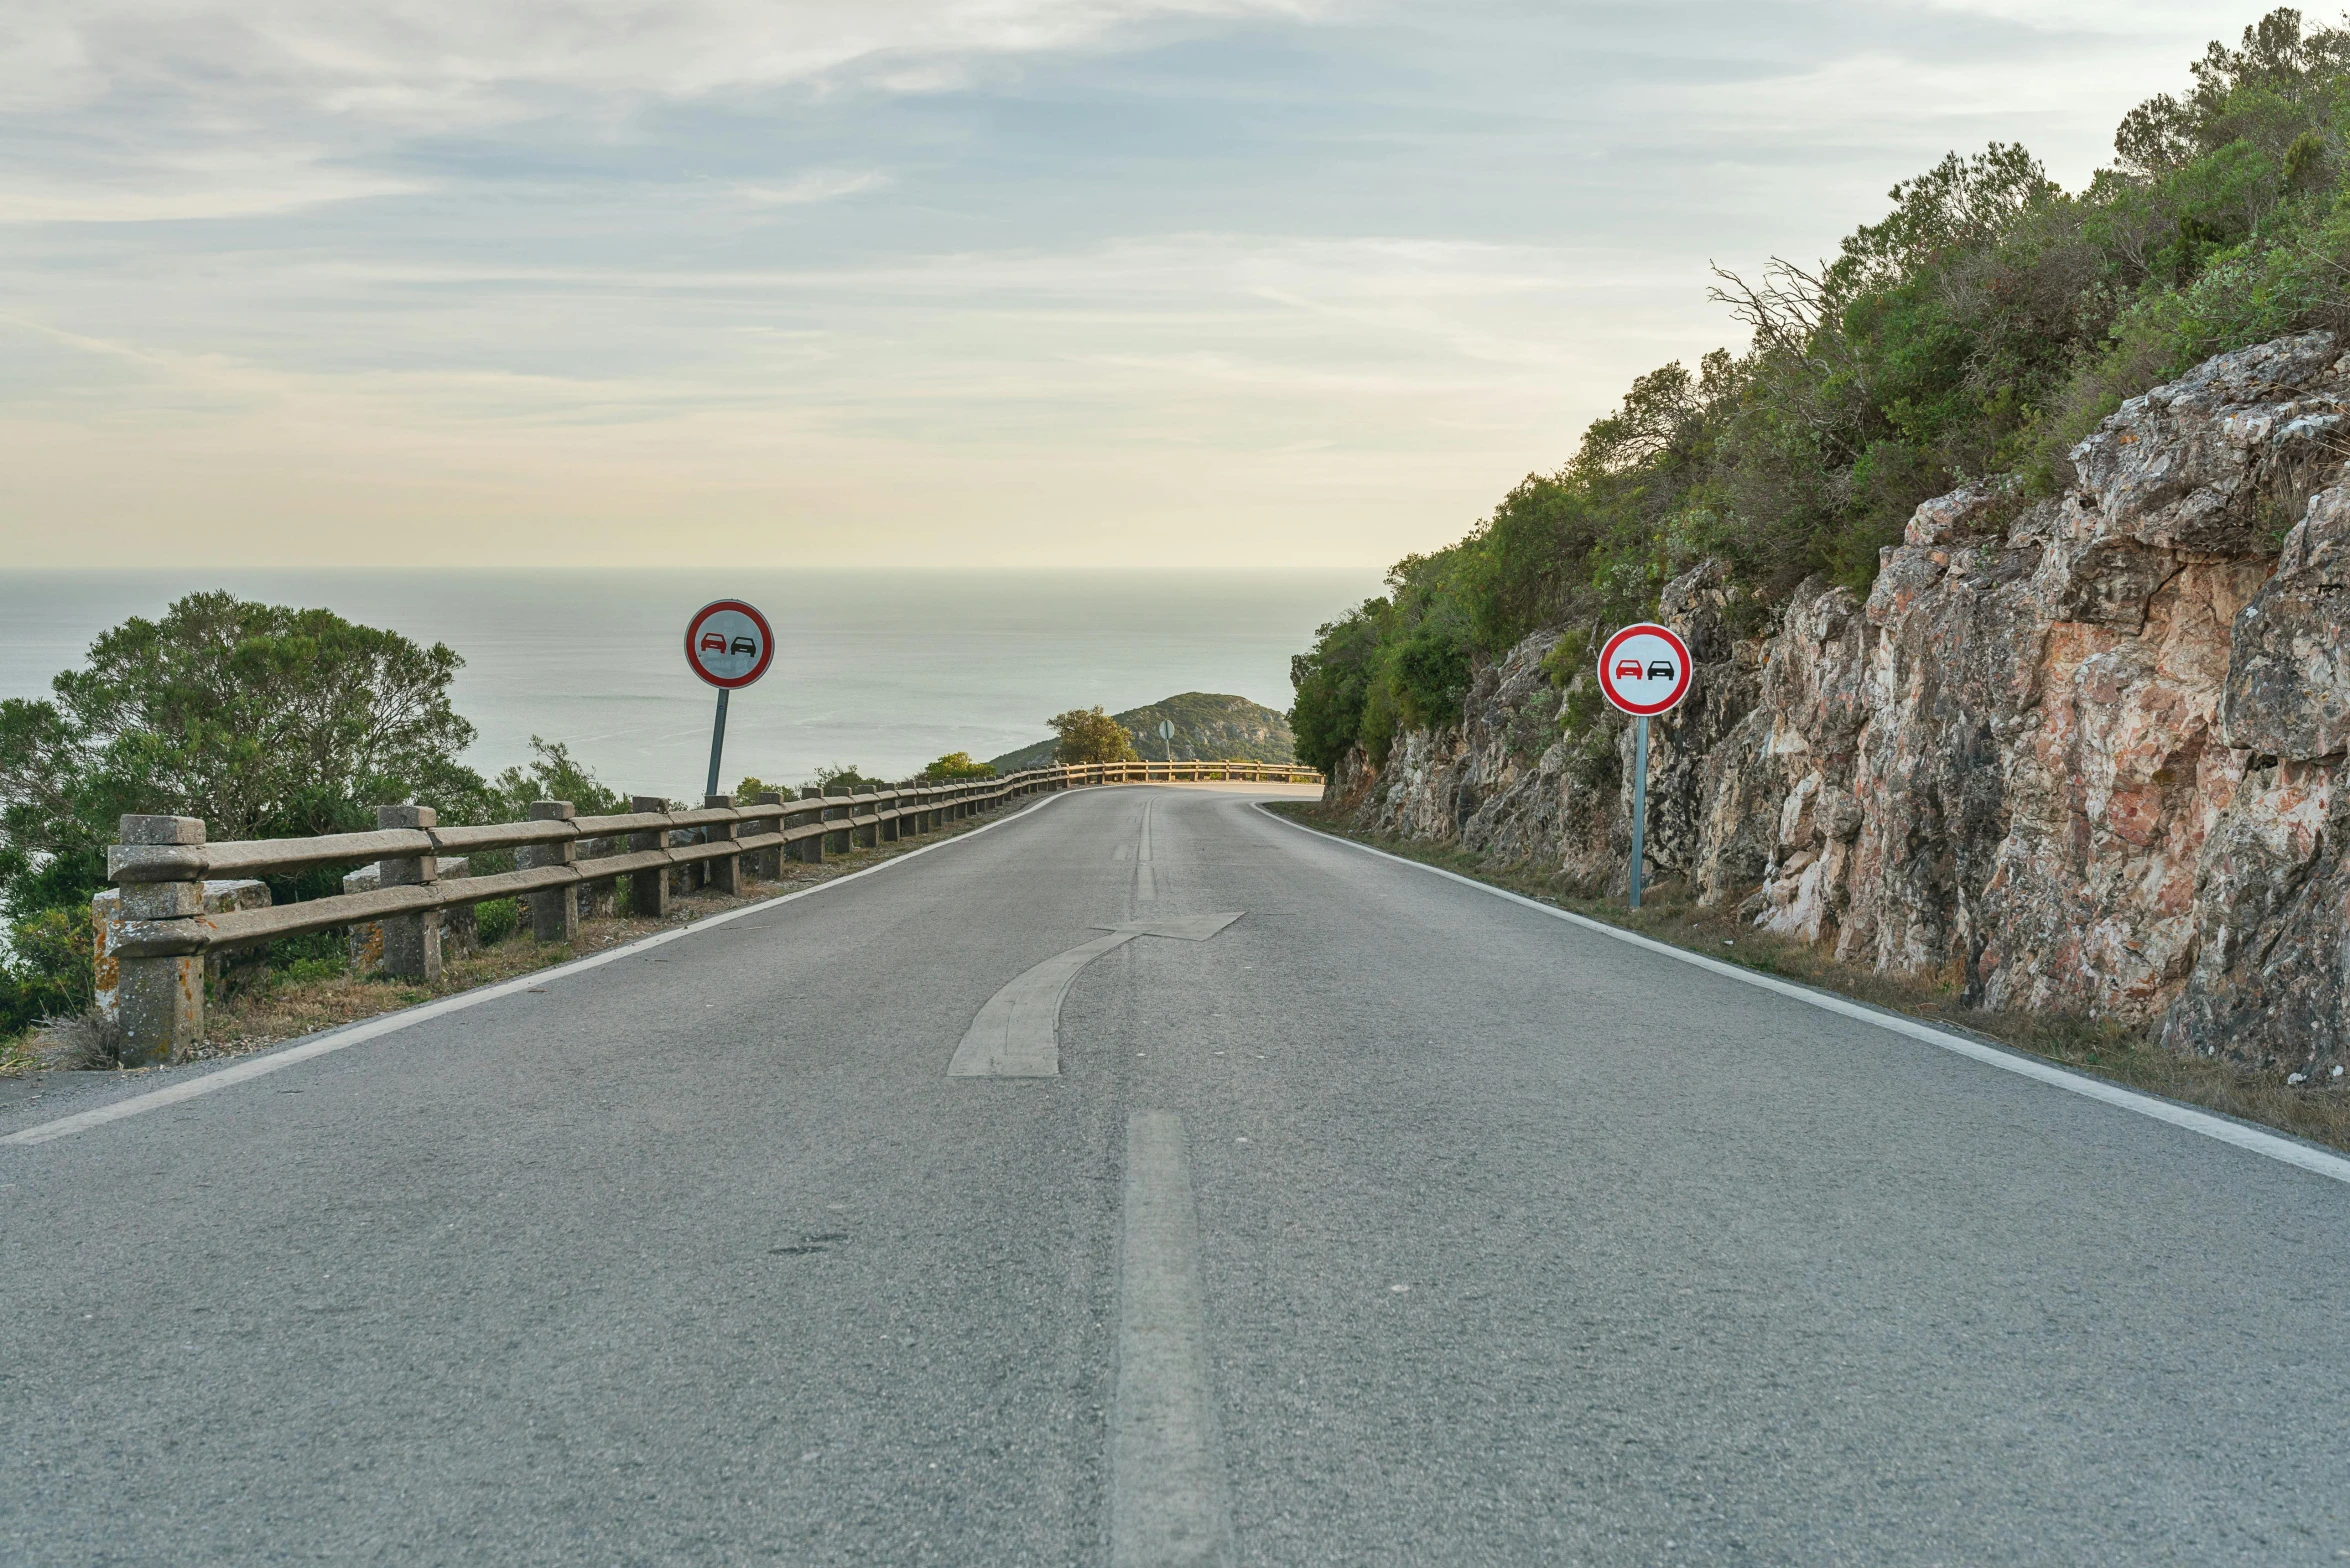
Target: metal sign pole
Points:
(718, 744)
(1639, 792)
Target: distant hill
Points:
(1208, 728)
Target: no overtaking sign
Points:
(1645, 669)
(729, 644)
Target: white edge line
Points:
(2276, 1146)
(368, 1029)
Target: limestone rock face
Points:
(2078, 754)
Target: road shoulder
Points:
(2308, 1128)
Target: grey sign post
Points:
(1644, 670)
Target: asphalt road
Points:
(1393, 1223)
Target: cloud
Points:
(122, 110)
(1047, 280)
(426, 63)
(817, 185)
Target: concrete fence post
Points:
(648, 891)
(160, 1000)
(771, 860)
(838, 843)
(554, 914)
(412, 943)
(595, 898)
(725, 873)
(810, 850)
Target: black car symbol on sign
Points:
(1660, 668)
(743, 645)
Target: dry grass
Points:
(285, 1006)
(18, 1055)
(2319, 1112)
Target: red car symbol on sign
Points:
(1628, 670)
(712, 642)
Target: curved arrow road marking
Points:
(1018, 1032)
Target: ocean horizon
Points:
(884, 670)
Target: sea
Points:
(879, 670)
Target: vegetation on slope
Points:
(1209, 726)
(1982, 327)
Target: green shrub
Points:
(842, 778)
(46, 972)
(494, 920)
(554, 774)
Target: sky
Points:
(904, 283)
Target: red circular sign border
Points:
(766, 650)
(1680, 688)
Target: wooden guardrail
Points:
(151, 958)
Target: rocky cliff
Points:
(2076, 754)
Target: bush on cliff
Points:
(955, 765)
(1981, 327)
(1090, 735)
(842, 778)
(554, 774)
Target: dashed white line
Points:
(1168, 1507)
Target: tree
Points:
(260, 719)
(1090, 735)
(957, 765)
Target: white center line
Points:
(1146, 878)
(1167, 1486)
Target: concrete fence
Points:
(180, 902)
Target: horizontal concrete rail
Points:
(151, 954)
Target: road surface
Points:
(1389, 1223)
